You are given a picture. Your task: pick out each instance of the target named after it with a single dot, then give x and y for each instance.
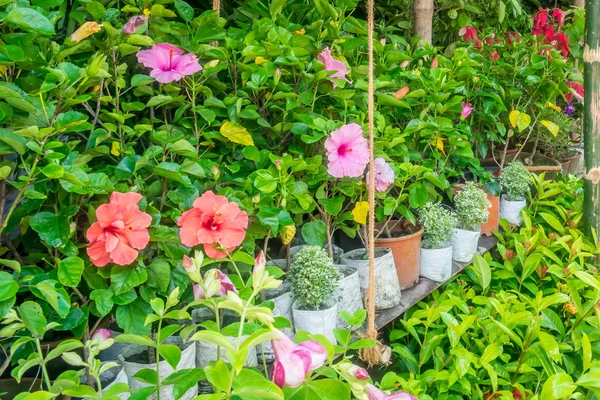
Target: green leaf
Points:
(553, 222)
(146, 375)
(132, 317)
(103, 299)
(8, 286)
(250, 385)
(558, 386)
(333, 206)
(80, 391)
(236, 133)
(323, 389)
(483, 270)
(135, 339)
(33, 318)
(185, 10)
(70, 270)
(417, 195)
(53, 229)
(314, 233)
(30, 21)
(5, 171)
(56, 297)
(53, 171)
(141, 80)
(183, 380)
(550, 345)
(591, 380)
(171, 353)
(218, 375)
(126, 277)
(159, 275)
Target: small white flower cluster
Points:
(515, 180)
(471, 205)
(439, 224)
(313, 276)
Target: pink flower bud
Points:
(278, 72)
(101, 334)
(405, 64)
(134, 23)
(259, 263)
(382, 41)
(198, 292)
(188, 264)
(358, 372)
(434, 63)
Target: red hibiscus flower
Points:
(512, 37)
(213, 222)
(540, 20)
(559, 16)
(121, 230)
(494, 56)
(469, 32)
(563, 41)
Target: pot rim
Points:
(362, 249)
(442, 248)
(331, 302)
(401, 238)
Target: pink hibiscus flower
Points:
(375, 394)
(384, 175)
(331, 64)
(121, 230)
(213, 222)
(294, 361)
(168, 62)
(467, 109)
(347, 151)
(134, 24)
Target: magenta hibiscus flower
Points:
(347, 151)
(168, 62)
(331, 64)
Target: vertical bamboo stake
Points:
(424, 19)
(371, 355)
(579, 3)
(217, 6)
(591, 115)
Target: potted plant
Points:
(314, 276)
(436, 246)
(471, 205)
(515, 185)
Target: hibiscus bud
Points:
(104, 339)
(453, 14)
(382, 41)
(192, 268)
(134, 24)
(258, 273)
(198, 292)
(215, 172)
(278, 165)
(434, 63)
(476, 79)
(256, 199)
(404, 64)
(417, 73)
(277, 76)
(359, 373)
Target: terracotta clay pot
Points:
(570, 165)
(407, 254)
(492, 223)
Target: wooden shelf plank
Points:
(412, 296)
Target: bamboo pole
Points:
(423, 10)
(591, 116)
(579, 3)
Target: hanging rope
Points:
(371, 355)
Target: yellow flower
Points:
(360, 212)
(553, 106)
(439, 143)
(147, 12)
(260, 60)
(288, 233)
(85, 30)
(115, 149)
(571, 308)
(299, 31)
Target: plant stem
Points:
(43, 363)
(158, 359)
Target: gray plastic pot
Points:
(436, 264)
(511, 210)
(464, 245)
(348, 295)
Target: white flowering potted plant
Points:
(514, 180)
(472, 209)
(436, 247)
(314, 279)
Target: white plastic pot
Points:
(322, 321)
(436, 264)
(207, 352)
(387, 287)
(464, 245)
(348, 295)
(188, 360)
(113, 377)
(283, 299)
(511, 210)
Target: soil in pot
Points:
(387, 287)
(404, 239)
(321, 321)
